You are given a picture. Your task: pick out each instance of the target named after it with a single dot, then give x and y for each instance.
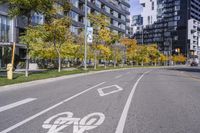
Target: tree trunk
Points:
(105, 64)
(142, 64)
(59, 63)
(115, 64)
(115, 60)
(68, 64)
(95, 59)
(59, 59)
(137, 63)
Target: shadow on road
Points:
(186, 69)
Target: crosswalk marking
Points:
(13, 105)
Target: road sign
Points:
(89, 34)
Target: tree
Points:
(142, 55)
(27, 8)
(115, 44)
(130, 45)
(163, 59)
(79, 41)
(102, 34)
(179, 58)
(154, 53)
(38, 49)
(56, 30)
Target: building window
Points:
(74, 16)
(4, 28)
(115, 14)
(37, 19)
(107, 9)
(74, 30)
(152, 5)
(98, 3)
(123, 17)
(149, 20)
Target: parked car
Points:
(194, 63)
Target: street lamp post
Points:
(142, 35)
(85, 52)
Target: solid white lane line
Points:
(46, 110)
(122, 121)
(119, 76)
(13, 105)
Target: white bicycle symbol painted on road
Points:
(59, 122)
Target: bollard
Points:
(10, 71)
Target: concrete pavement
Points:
(141, 100)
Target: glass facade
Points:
(74, 3)
(38, 19)
(4, 28)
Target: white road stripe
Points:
(122, 121)
(48, 109)
(13, 105)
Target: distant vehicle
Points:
(194, 63)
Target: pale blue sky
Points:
(135, 7)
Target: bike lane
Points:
(96, 111)
(44, 96)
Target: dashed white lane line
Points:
(122, 121)
(48, 109)
(119, 76)
(13, 105)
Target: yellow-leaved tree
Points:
(105, 52)
(179, 59)
(142, 55)
(163, 59)
(102, 35)
(154, 53)
(131, 47)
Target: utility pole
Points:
(85, 52)
(171, 50)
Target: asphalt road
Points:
(142, 100)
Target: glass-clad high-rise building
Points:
(167, 24)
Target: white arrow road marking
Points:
(122, 121)
(46, 110)
(116, 89)
(13, 105)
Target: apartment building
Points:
(136, 24)
(117, 10)
(170, 27)
(149, 12)
(10, 29)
